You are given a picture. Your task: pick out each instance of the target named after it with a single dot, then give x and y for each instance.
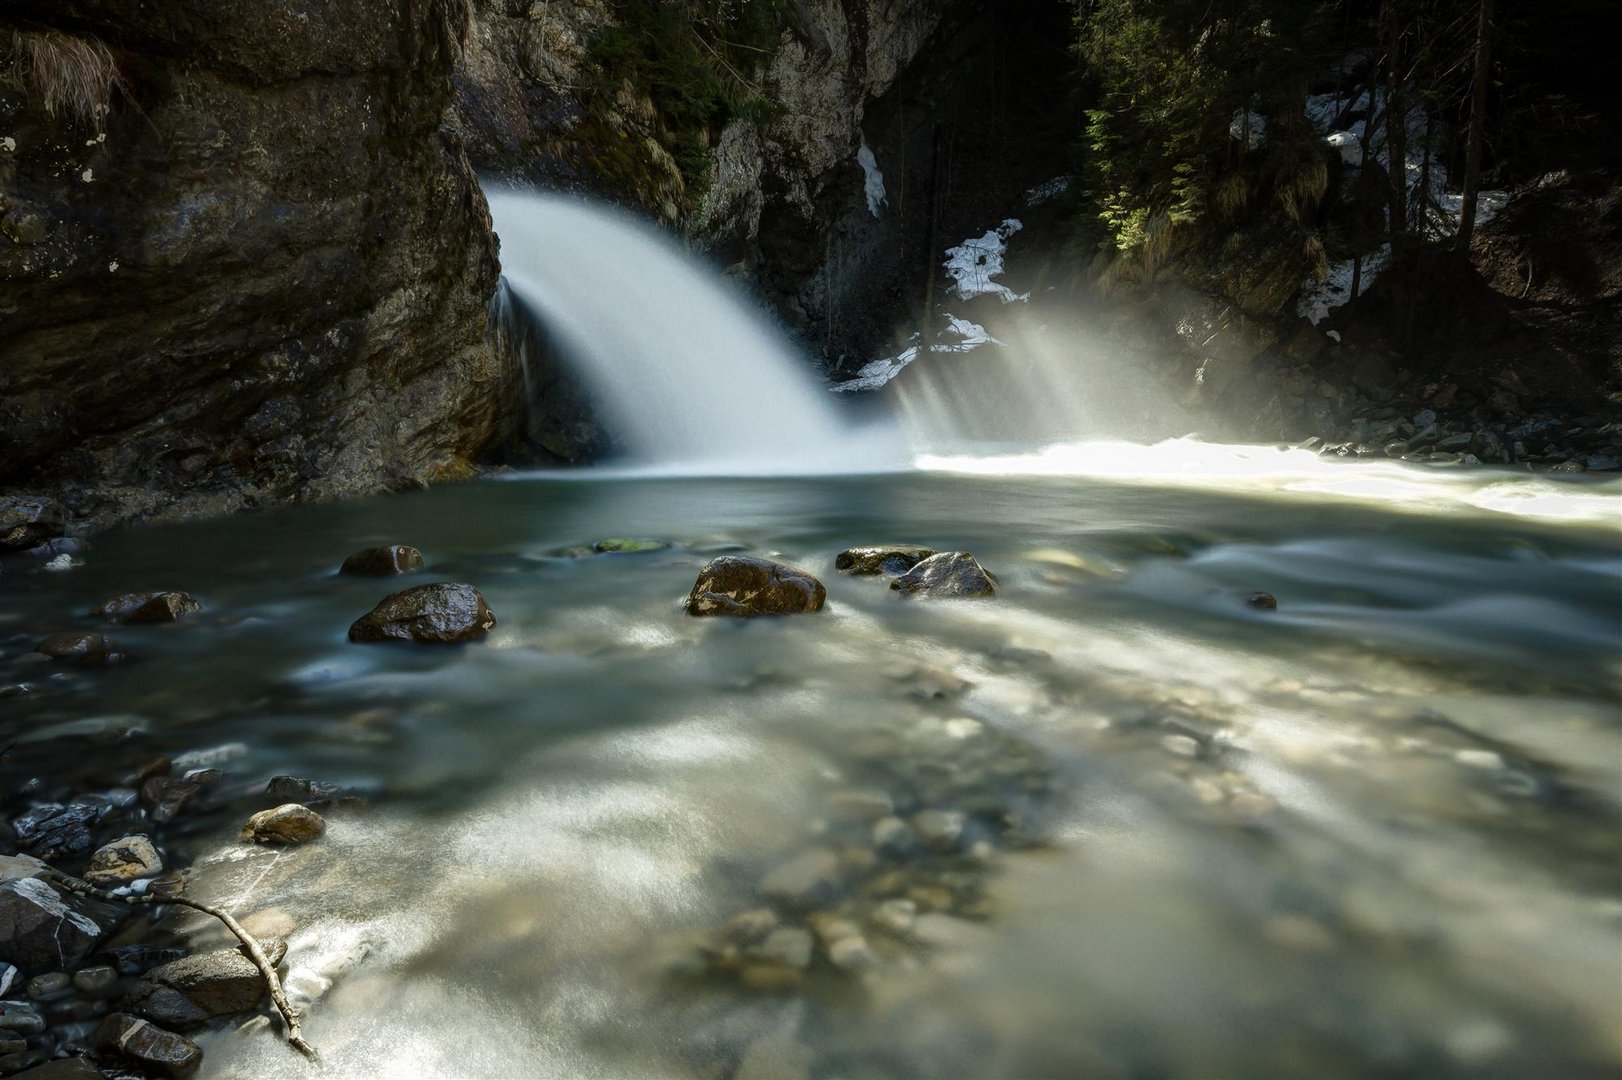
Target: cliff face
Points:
(260, 274)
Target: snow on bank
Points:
(973, 263)
(1445, 208)
(872, 180)
(874, 375)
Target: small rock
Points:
(91, 649)
(895, 559)
(808, 880)
(383, 561)
(1181, 745)
(624, 545)
(151, 1046)
(28, 520)
(52, 984)
(148, 607)
(748, 927)
(949, 574)
(438, 613)
(1485, 760)
(895, 838)
(1262, 601)
(123, 861)
(286, 789)
(1424, 418)
(938, 828)
(288, 823)
(165, 797)
(789, 946)
(53, 831)
(895, 916)
(59, 545)
(95, 981)
(852, 953)
(21, 1018)
(767, 978)
(746, 587)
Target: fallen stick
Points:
(290, 1017)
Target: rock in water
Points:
(383, 561)
(53, 831)
(896, 559)
(195, 989)
(430, 614)
(90, 649)
(949, 574)
(148, 607)
(145, 1043)
(289, 823)
(745, 587)
(42, 929)
(1261, 601)
(27, 520)
(123, 861)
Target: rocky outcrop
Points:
(428, 614)
(954, 574)
(745, 587)
(252, 268)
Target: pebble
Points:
(95, 980)
(895, 916)
(52, 984)
(938, 828)
(1479, 759)
(1181, 745)
(289, 823)
(852, 953)
(894, 837)
(123, 861)
(789, 946)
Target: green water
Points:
(1373, 832)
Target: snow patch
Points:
(878, 372)
(973, 263)
(873, 180)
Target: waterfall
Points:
(689, 376)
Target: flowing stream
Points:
(1374, 831)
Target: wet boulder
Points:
(148, 607)
(894, 559)
(90, 648)
(430, 614)
(127, 859)
(289, 823)
(26, 521)
(147, 1045)
(53, 831)
(194, 989)
(742, 586)
(383, 561)
(43, 928)
(165, 797)
(949, 574)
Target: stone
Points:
(26, 521)
(195, 989)
(382, 561)
(148, 607)
(1262, 601)
(53, 831)
(894, 837)
(90, 648)
(895, 916)
(851, 953)
(1181, 745)
(894, 559)
(938, 828)
(767, 978)
(123, 861)
(289, 823)
(623, 545)
(286, 789)
(748, 927)
(1486, 760)
(789, 946)
(52, 984)
(440, 613)
(21, 1018)
(742, 586)
(95, 981)
(43, 929)
(165, 797)
(951, 574)
(143, 1042)
(810, 879)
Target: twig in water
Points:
(290, 1017)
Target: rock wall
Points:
(261, 274)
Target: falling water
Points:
(688, 374)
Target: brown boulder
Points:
(148, 607)
(27, 520)
(746, 587)
(430, 614)
(289, 823)
(91, 649)
(894, 559)
(383, 561)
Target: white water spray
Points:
(690, 377)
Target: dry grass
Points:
(1231, 196)
(67, 76)
(1303, 188)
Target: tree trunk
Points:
(1479, 85)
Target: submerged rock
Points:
(1262, 601)
(289, 823)
(195, 989)
(123, 861)
(92, 649)
(296, 789)
(431, 614)
(383, 561)
(745, 587)
(628, 545)
(895, 559)
(29, 520)
(949, 574)
(148, 1045)
(165, 797)
(148, 607)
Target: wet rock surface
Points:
(894, 559)
(147, 1045)
(951, 574)
(89, 648)
(45, 929)
(191, 991)
(382, 561)
(123, 861)
(289, 823)
(745, 587)
(148, 607)
(26, 521)
(429, 614)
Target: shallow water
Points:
(1373, 831)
